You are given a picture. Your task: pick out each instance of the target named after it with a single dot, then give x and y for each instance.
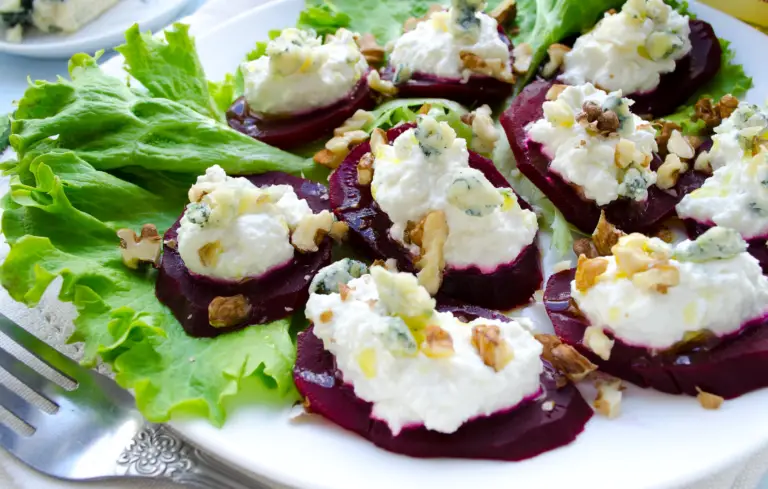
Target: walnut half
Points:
(144, 248)
(224, 312)
(564, 358)
(606, 235)
(492, 348)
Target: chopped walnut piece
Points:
(378, 140)
(171, 243)
(414, 232)
(597, 120)
(597, 341)
(523, 56)
(727, 106)
(585, 247)
(680, 146)
(492, 348)
(337, 148)
(564, 358)
(665, 234)
(365, 169)
(370, 49)
(555, 91)
(709, 401)
(669, 171)
(144, 248)
(606, 235)
(327, 158)
(495, 68)
(339, 231)
(556, 54)
(505, 11)
(665, 130)
(703, 163)
(384, 87)
(705, 111)
(310, 232)
(224, 312)
(437, 342)
(659, 278)
(483, 130)
(587, 271)
(359, 120)
(209, 253)
(411, 23)
(608, 400)
(432, 260)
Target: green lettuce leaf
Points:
(544, 22)
(111, 126)
(5, 131)
(60, 219)
(731, 79)
(224, 92)
(399, 111)
(170, 69)
(324, 18)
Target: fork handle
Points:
(158, 452)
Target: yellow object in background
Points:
(752, 11)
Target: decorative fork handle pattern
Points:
(157, 452)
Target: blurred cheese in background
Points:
(754, 12)
(49, 15)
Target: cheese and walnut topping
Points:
(301, 72)
(453, 43)
(653, 294)
(631, 49)
(419, 366)
(736, 194)
(597, 144)
(232, 229)
(426, 169)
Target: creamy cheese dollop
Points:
(631, 49)
(719, 288)
(377, 330)
(435, 45)
(233, 229)
(604, 167)
(299, 72)
(427, 169)
(736, 194)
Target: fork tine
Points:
(20, 408)
(40, 349)
(9, 438)
(27, 376)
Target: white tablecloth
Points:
(51, 321)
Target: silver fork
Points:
(96, 433)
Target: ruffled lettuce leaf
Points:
(169, 69)
(60, 219)
(399, 111)
(731, 79)
(324, 18)
(111, 126)
(5, 131)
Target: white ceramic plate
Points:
(659, 441)
(105, 32)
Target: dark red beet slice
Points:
(303, 127)
(272, 296)
(628, 215)
(477, 90)
(508, 286)
(692, 72)
(518, 434)
(729, 368)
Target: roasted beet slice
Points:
(692, 72)
(628, 215)
(477, 90)
(272, 296)
(729, 367)
(508, 286)
(520, 433)
(302, 127)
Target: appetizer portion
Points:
(301, 88)
(460, 54)
(244, 251)
(676, 318)
(416, 194)
(53, 16)
(587, 151)
(732, 184)
(650, 52)
(379, 360)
